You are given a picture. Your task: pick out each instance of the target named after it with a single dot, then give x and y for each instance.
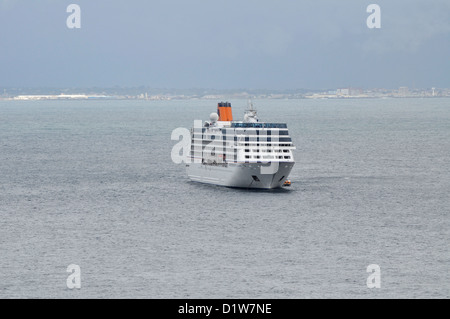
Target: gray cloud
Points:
(406, 28)
(224, 44)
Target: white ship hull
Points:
(242, 175)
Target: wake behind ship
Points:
(244, 154)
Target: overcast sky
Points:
(225, 44)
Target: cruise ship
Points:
(243, 154)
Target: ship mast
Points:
(250, 114)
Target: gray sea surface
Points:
(92, 183)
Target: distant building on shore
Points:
(51, 97)
(60, 97)
(349, 91)
(403, 91)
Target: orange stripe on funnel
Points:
(224, 111)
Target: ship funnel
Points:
(224, 111)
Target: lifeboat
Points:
(287, 183)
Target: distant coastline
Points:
(149, 94)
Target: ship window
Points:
(247, 156)
(255, 178)
(247, 150)
(287, 157)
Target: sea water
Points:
(92, 183)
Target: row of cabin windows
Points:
(259, 125)
(246, 138)
(213, 137)
(258, 157)
(257, 132)
(267, 151)
(232, 131)
(205, 142)
(199, 149)
(262, 144)
(268, 139)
